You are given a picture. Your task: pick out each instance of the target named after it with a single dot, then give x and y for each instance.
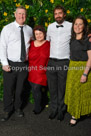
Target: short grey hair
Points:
(21, 7)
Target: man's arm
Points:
(3, 50)
(48, 34)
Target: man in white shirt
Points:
(59, 34)
(14, 46)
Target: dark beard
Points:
(60, 21)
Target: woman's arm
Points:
(88, 66)
(89, 37)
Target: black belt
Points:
(55, 59)
(17, 62)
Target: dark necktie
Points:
(23, 50)
(59, 26)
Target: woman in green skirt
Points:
(78, 85)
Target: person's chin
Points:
(59, 21)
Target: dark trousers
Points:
(39, 95)
(13, 85)
(56, 76)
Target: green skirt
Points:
(77, 95)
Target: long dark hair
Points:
(85, 29)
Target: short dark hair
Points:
(85, 30)
(60, 7)
(40, 28)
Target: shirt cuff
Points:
(4, 63)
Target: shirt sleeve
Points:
(32, 37)
(48, 34)
(3, 47)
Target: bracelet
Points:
(85, 75)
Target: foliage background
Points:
(41, 12)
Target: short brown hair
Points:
(40, 28)
(60, 7)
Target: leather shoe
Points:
(6, 116)
(52, 115)
(19, 113)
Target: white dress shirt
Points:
(10, 42)
(59, 40)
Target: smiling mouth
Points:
(77, 29)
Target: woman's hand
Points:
(83, 79)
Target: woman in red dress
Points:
(38, 59)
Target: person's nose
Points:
(22, 15)
(58, 15)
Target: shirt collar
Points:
(17, 25)
(60, 24)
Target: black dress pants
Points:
(40, 96)
(13, 85)
(56, 76)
